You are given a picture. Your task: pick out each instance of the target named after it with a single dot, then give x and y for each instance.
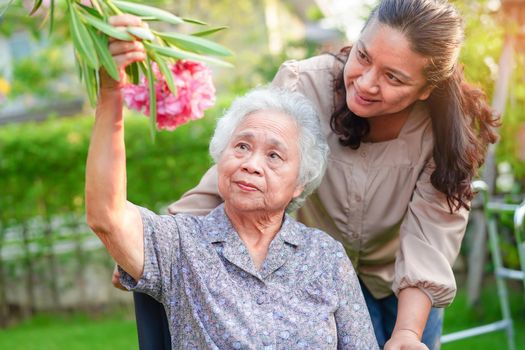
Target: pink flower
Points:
(136, 97)
(195, 93)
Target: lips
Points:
(365, 98)
(362, 98)
(246, 186)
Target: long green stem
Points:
(97, 6)
(148, 72)
(113, 7)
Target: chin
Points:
(358, 110)
(246, 205)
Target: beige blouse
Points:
(377, 200)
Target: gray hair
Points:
(313, 149)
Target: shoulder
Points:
(297, 74)
(320, 245)
(156, 223)
(318, 64)
(169, 231)
(170, 225)
(324, 62)
(187, 220)
(314, 77)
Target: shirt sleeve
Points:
(161, 242)
(200, 200)
(430, 239)
(354, 327)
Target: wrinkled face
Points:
(383, 75)
(259, 169)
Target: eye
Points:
(274, 156)
(241, 146)
(361, 56)
(393, 78)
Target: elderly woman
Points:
(246, 276)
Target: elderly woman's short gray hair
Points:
(312, 143)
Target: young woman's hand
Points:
(123, 52)
(404, 340)
(115, 280)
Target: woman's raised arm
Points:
(115, 221)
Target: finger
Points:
(121, 47)
(116, 282)
(125, 20)
(115, 277)
(128, 58)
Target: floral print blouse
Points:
(306, 294)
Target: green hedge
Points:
(42, 165)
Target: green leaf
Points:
(194, 21)
(101, 46)
(106, 28)
(90, 81)
(195, 44)
(98, 12)
(148, 11)
(36, 6)
(148, 72)
(90, 10)
(141, 33)
(166, 72)
(185, 55)
(81, 40)
(51, 16)
(132, 70)
(78, 66)
(209, 31)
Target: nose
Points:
(252, 164)
(368, 81)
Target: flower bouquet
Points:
(172, 85)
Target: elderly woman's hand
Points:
(123, 52)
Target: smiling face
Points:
(383, 75)
(259, 169)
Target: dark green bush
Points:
(42, 165)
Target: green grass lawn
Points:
(117, 330)
(459, 317)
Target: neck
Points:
(387, 127)
(256, 229)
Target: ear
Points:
(298, 190)
(425, 93)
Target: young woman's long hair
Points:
(462, 122)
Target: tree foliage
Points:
(43, 165)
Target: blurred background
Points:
(55, 278)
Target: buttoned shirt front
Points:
(305, 295)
